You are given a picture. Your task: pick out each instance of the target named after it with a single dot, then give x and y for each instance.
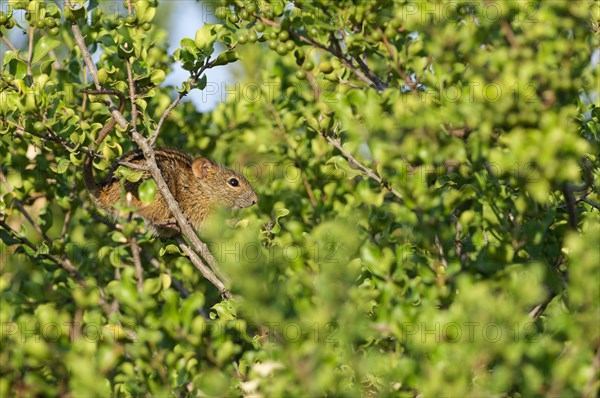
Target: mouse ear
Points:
(203, 167)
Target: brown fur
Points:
(198, 185)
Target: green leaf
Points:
(226, 58)
(157, 76)
(128, 174)
(43, 46)
(205, 36)
(171, 249)
(7, 238)
(152, 285)
(61, 167)
(17, 68)
(147, 191)
(9, 56)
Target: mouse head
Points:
(231, 189)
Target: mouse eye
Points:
(233, 182)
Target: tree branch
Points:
(370, 173)
(8, 43)
(135, 253)
(162, 119)
(148, 153)
(25, 213)
(373, 81)
(203, 269)
(64, 263)
(30, 55)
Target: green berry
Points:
(273, 44)
(221, 12)
(281, 49)
(54, 31)
(308, 65)
(243, 39)
(300, 75)
(284, 35)
(260, 27)
(326, 67)
(38, 126)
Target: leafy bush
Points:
(428, 221)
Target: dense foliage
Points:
(429, 188)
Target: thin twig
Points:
(377, 83)
(176, 282)
(8, 43)
(588, 391)
(135, 253)
(156, 174)
(539, 309)
(370, 173)
(309, 191)
(65, 226)
(64, 263)
(571, 206)
(204, 270)
(510, 35)
(591, 203)
(72, 147)
(30, 56)
(192, 80)
(162, 119)
(23, 211)
(440, 249)
(91, 68)
(134, 112)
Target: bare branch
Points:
(370, 173)
(135, 253)
(134, 112)
(510, 35)
(155, 172)
(69, 213)
(91, 67)
(539, 309)
(571, 206)
(30, 55)
(372, 81)
(589, 386)
(23, 211)
(204, 270)
(72, 147)
(64, 263)
(8, 43)
(591, 203)
(440, 249)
